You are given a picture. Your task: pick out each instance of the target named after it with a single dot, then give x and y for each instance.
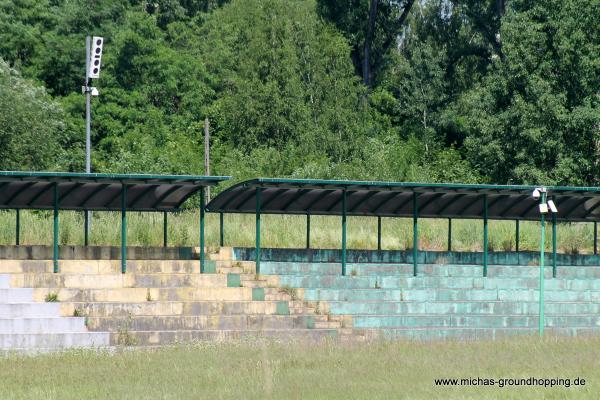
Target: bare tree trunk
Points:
(368, 40)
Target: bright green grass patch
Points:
(146, 229)
(252, 370)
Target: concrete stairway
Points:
(160, 302)
(385, 300)
(29, 325)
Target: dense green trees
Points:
(444, 90)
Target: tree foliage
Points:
(438, 90)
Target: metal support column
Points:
(123, 228)
(449, 234)
(308, 231)
(55, 235)
(485, 234)
(221, 230)
(257, 249)
(86, 228)
(554, 245)
(595, 238)
(415, 233)
(542, 252)
(18, 228)
(165, 228)
(517, 239)
(378, 233)
(202, 205)
(344, 233)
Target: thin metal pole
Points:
(308, 231)
(553, 245)
(55, 233)
(595, 237)
(88, 129)
(542, 248)
(86, 228)
(415, 233)
(344, 233)
(485, 234)
(449, 234)
(123, 228)
(517, 239)
(165, 229)
(257, 249)
(18, 228)
(378, 233)
(221, 230)
(207, 153)
(202, 204)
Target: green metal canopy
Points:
(78, 191)
(398, 199)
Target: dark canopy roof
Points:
(34, 190)
(395, 199)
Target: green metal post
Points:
(202, 230)
(595, 238)
(449, 234)
(55, 235)
(415, 233)
(344, 233)
(485, 234)
(257, 250)
(165, 228)
(18, 228)
(123, 228)
(308, 231)
(86, 228)
(378, 233)
(542, 251)
(221, 230)
(517, 239)
(553, 245)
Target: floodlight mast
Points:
(93, 55)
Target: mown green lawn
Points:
(259, 370)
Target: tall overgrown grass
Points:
(267, 370)
(146, 229)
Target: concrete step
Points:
(29, 309)
(16, 295)
(442, 270)
(106, 281)
(425, 282)
(179, 336)
(478, 321)
(461, 308)
(175, 308)
(41, 325)
(442, 333)
(351, 294)
(498, 294)
(143, 294)
(53, 341)
(199, 322)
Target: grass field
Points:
(146, 229)
(254, 370)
